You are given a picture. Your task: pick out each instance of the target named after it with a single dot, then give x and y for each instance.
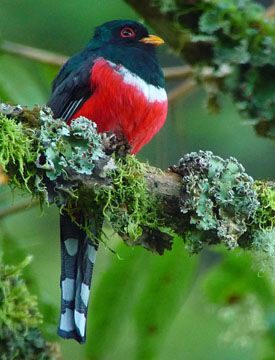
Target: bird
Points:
(115, 81)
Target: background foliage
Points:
(143, 306)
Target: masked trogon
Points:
(116, 81)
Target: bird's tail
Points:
(78, 253)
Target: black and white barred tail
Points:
(78, 254)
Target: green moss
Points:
(128, 206)
(20, 337)
(18, 309)
(265, 214)
(262, 229)
(17, 153)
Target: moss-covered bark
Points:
(204, 199)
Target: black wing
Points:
(71, 88)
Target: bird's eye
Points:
(127, 32)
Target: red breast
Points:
(123, 103)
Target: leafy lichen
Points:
(219, 198)
(235, 34)
(220, 203)
(77, 146)
(67, 151)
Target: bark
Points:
(204, 199)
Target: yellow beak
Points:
(152, 39)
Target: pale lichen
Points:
(220, 202)
(77, 146)
(65, 152)
(219, 198)
(235, 33)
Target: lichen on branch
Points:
(205, 199)
(219, 196)
(231, 46)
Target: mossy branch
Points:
(230, 45)
(204, 199)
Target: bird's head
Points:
(126, 32)
(128, 43)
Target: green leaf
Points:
(234, 278)
(20, 81)
(130, 290)
(165, 289)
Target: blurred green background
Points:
(142, 306)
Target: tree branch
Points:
(43, 56)
(51, 58)
(177, 72)
(204, 199)
(183, 89)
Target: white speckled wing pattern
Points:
(78, 254)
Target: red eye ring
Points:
(127, 32)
